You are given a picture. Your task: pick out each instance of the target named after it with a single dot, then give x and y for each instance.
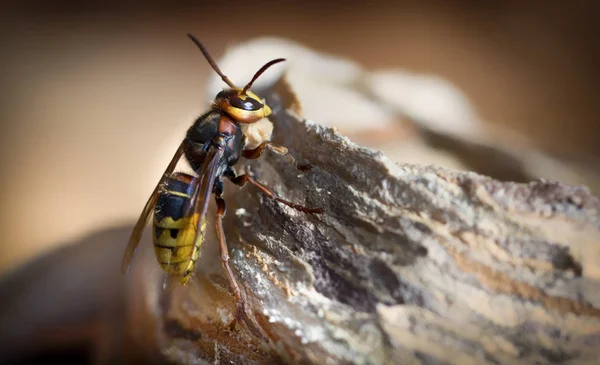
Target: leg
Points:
(280, 150)
(243, 179)
(241, 313)
(225, 259)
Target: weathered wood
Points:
(408, 265)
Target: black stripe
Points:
(158, 231)
(173, 185)
(170, 263)
(170, 206)
(164, 246)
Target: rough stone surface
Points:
(408, 264)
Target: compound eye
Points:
(249, 104)
(222, 94)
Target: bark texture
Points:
(408, 264)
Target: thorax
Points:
(201, 135)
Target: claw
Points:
(304, 167)
(242, 316)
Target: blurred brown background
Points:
(94, 95)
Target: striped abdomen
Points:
(172, 234)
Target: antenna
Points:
(259, 72)
(212, 62)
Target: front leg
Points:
(280, 150)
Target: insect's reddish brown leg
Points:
(241, 314)
(280, 150)
(243, 179)
(241, 305)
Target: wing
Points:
(136, 234)
(193, 231)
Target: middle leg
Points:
(241, 314)
(241, 180)
(239, 299)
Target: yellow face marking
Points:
(224, 100)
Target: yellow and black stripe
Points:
(173, 234)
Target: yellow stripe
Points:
(168, 222)
(178, 255)
(177, 193)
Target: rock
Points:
(407, 264)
